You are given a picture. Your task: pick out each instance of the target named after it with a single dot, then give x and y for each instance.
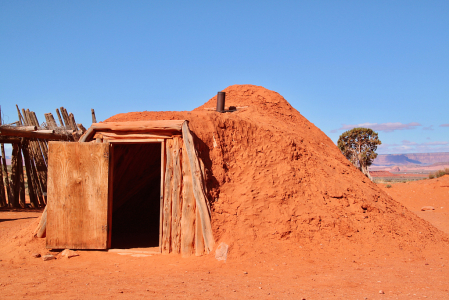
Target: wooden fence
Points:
(29, 141)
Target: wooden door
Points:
(77, 209)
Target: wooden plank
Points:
(134, 141)
(161, 204)
(77, 213)
(166, 210)
(133, 135)
(176, 196)
(38, 134)
(199, 237)
(21, 128)
(163, 127)
(188, 208)
(198, 189)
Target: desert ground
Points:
(300, 221)
(278, 271)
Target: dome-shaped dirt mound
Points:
(273, 176)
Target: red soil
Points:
(299, 219)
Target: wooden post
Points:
(5, 171)
(21, 178)
(198, 190)
(94, 119)
(188, 208)
(60, 119)
(51, 123)
(66, 118)
(2, 189)
(176, 196)
(166, 210)
(31, 188)
(15, 177)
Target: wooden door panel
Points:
(77, 212)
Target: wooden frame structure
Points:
(185, 225)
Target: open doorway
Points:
(136, 188)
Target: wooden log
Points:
(94, 118)
(39, 165)
(60, 119)
(132, 135)
(21, 121)
(198, 189)
(188, 208)
(73, 122)
(2, 189)
(23, 128)
(82, 128)
(41, 229)
(38, 134)
(51, 123)
(166, 127)
(21, 179)
(31, 187)
(65, 117)
(166, 210)
(176, 196)
(15, 177)
(199, 237)
(9, 140)
(5, 172)
(42, 143)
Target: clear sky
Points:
(378, 64)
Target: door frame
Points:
(111, 181)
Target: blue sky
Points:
(378, 64)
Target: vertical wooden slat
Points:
(60, 119)
(199, 238)
(161, 217)
(2, 189)
(73, 122)
(198, 190)
(176, 196)
(188, 209)
(31, 188)
(166, 218)
(94, 118)
(21, 179)
(5, 172)
(15, 186)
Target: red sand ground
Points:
(299, 219)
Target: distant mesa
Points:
(411, 159)
(395, 169)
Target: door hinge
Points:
(106, 155)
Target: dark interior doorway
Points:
(136, 183)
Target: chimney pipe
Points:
(221, 101)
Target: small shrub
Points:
(431, 176)
(388, 186)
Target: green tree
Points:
(359, 146)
